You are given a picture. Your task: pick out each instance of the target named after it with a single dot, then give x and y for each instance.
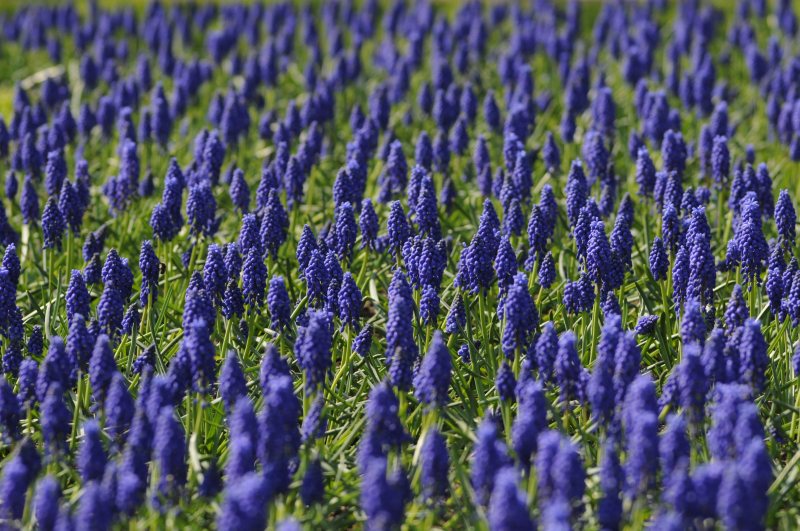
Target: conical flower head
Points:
(254, 279)
(214, 273)
(55, 369)
(169, 452)
(435, 465)
(488, 458)
(150, 267)
(508, 508)
(199, 349)
(274, 223)
(279, 303)
(398, 229)
(92, 456)
(530, 422)
(432, 381)
(53, 225)
(313, 348)
(242, 506)
(786, 219)
(77, 296)
(753, 354)
(279, 430)
(48, 493)
(520, 315)
(349, 301)
(102, 367)
(383, 496)
(609, 510)
(232, 383)
(119, 407)
(94, 509)
(750, 239)
(55, 419)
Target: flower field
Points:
(400, 264)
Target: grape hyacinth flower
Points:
(368, 223)
(13, 487)
(55, 369)
(279, 431)
(659, 261)
(9, 411)
(274, 224)
(609, 509)
(55, 419)
(232, 383)
(48, 494)
(530, 422)
(92, 456)
(363, 341)
(278, 303)
(243, 439)
(383, 495)
(169, 452)
(150, 266)
(312, 489)
(521, 317)
(750, 240)
(53, 225)
(785, 219)
(349, 302)
(435, 462)
(243, 504)
(489, 457)
(579, 295)
(560, 474)
(433, 378)
(102, 367)
(254, 280)
(77, 296)
(94, 509)
(505, 383)
(313, 348)
(508, 508)
(642, 463)
(754, 358)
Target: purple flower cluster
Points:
(470, 204)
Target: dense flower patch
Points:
(386, 264)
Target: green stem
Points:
(595, 326)
(76, 411)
